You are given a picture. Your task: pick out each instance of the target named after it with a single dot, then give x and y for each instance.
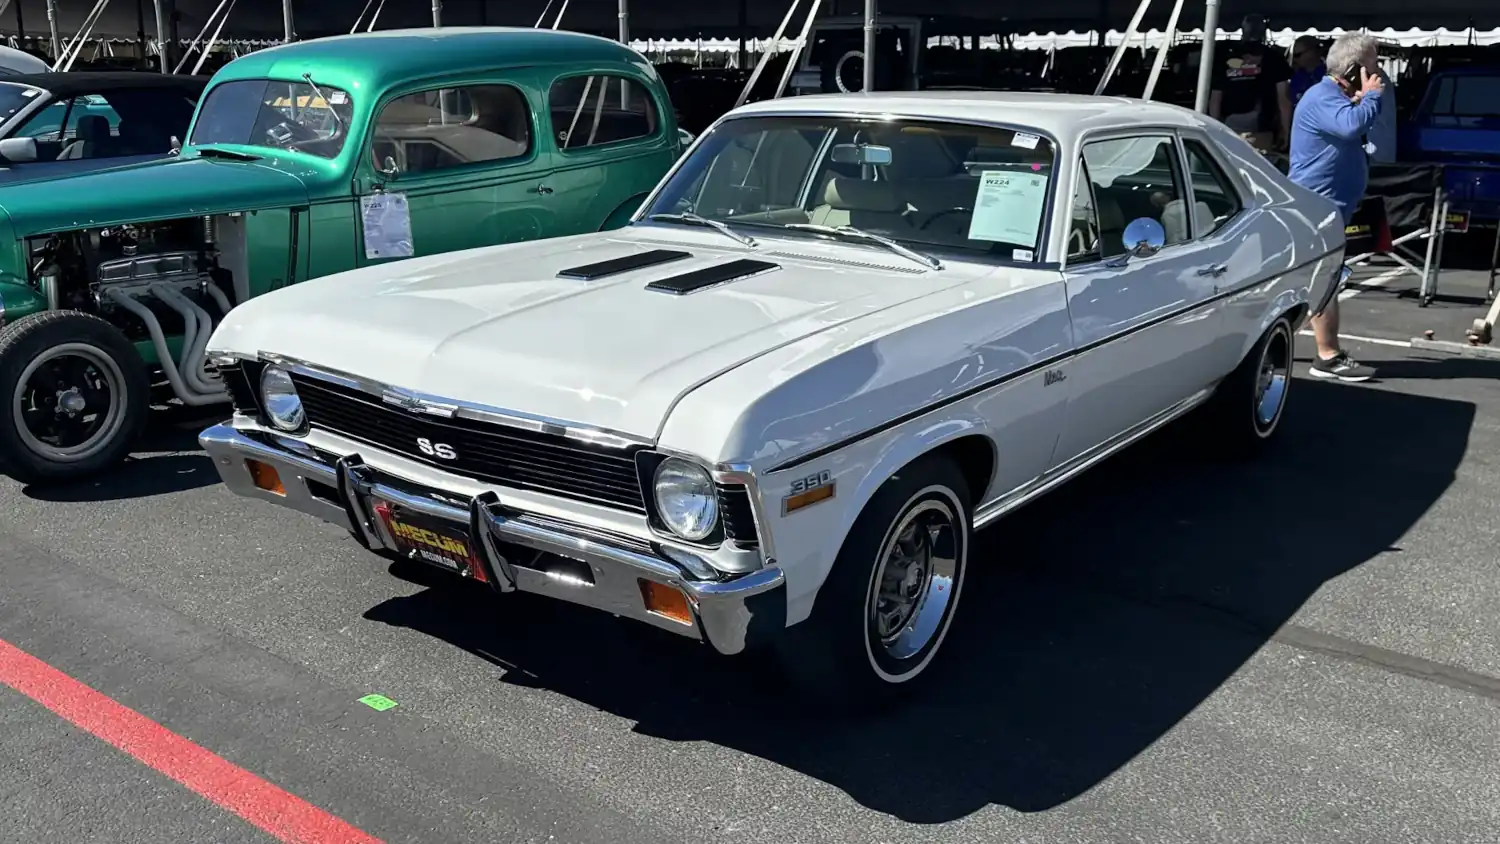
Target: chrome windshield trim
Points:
(441, 406)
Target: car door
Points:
(1146, 329)
(452, 167)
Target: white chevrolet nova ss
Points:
(843, 334)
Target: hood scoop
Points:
(690, 282)
(623, 264)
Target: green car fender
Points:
(17, 297)
(620, 216)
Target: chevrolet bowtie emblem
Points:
(411, 403)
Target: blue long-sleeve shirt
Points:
(1327, 146)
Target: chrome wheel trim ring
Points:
(1273, 377)
(934, 592)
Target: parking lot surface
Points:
(1173, 649)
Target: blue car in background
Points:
(59, 124)
(1457, 124)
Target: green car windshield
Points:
(276, 114)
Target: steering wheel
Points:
(941, 214)
(287, 134)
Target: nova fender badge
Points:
(809, 491)
(1053, 376)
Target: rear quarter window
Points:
(602, 109)
(1465, 102)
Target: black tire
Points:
(89, 350)
(1243, 418)
(837, 655)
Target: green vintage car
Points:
(301, 161)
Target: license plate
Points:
(1458, 221)
(429, 540)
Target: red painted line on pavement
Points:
(282, 814)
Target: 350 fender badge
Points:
(808, 491)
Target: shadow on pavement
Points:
(1096, 619)
(167, 459)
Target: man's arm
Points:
(1284, 105)
(1352, 121)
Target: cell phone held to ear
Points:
(1353, 77)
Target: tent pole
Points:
(1161, 52)
(867, 83)
(765, 54)
(52, 22)
(625, 24)
(286, 21)
(1114, 60)
(791, 65)
(437, 13)
(161, 35)
(1206, 55)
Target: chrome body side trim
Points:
(729, 613)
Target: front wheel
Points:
(883, 613)
(76, 395)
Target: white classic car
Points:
(844, 333)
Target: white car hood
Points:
(497, 327)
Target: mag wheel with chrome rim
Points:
(1247, 407)
(76, 396)
(881, 617)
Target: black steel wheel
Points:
(76, 396)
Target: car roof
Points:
(375, 61)
(89, 81)
(1063, 116)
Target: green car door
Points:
(451, 167)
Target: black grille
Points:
(241, 391)
(510, 457)
(739, 520)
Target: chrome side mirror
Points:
(389, 169)
(1143, 238)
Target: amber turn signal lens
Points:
(665, 601)
(265, 477)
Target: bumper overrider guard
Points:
(731, 613)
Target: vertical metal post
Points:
(625, 22)
(1206, 56)
(437, 13)
(1114, 59)
(52, 23)
(286, 21)
(161, 35)
(867, 83)
(1161, 52)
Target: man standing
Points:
(1250, 89)
(1307, 67)
(1328, 158)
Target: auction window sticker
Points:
(1008, 206)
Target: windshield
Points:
(15, 97)
(1466, 101)
(275, 114)
(974, 189)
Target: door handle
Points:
(1214, 271)
(541, 189)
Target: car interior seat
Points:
(93, 139)
(862, 204)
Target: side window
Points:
(452, 127)
(1083, 231)
(47, 124)
(591, 111)
(1134, 178)
(1215, 198)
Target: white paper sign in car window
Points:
(387, 224)
(1025, 141)
(1008, 207)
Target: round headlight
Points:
(685, 499)
(279, 395)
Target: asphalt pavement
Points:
(1304, 648)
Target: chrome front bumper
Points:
(729, 614)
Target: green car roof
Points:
(374, 61)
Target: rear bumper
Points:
(519, 552)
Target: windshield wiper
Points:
(693, 219)
(307, 77)
(860, 234)
(212, 152)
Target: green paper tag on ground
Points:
(379, 703)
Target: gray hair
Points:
(1348, 52)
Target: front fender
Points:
(808, 542)
(619, 217)
(17, 300)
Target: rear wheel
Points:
(76, 396)
(1246, 410)
(883, 613)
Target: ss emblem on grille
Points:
(442, 451)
